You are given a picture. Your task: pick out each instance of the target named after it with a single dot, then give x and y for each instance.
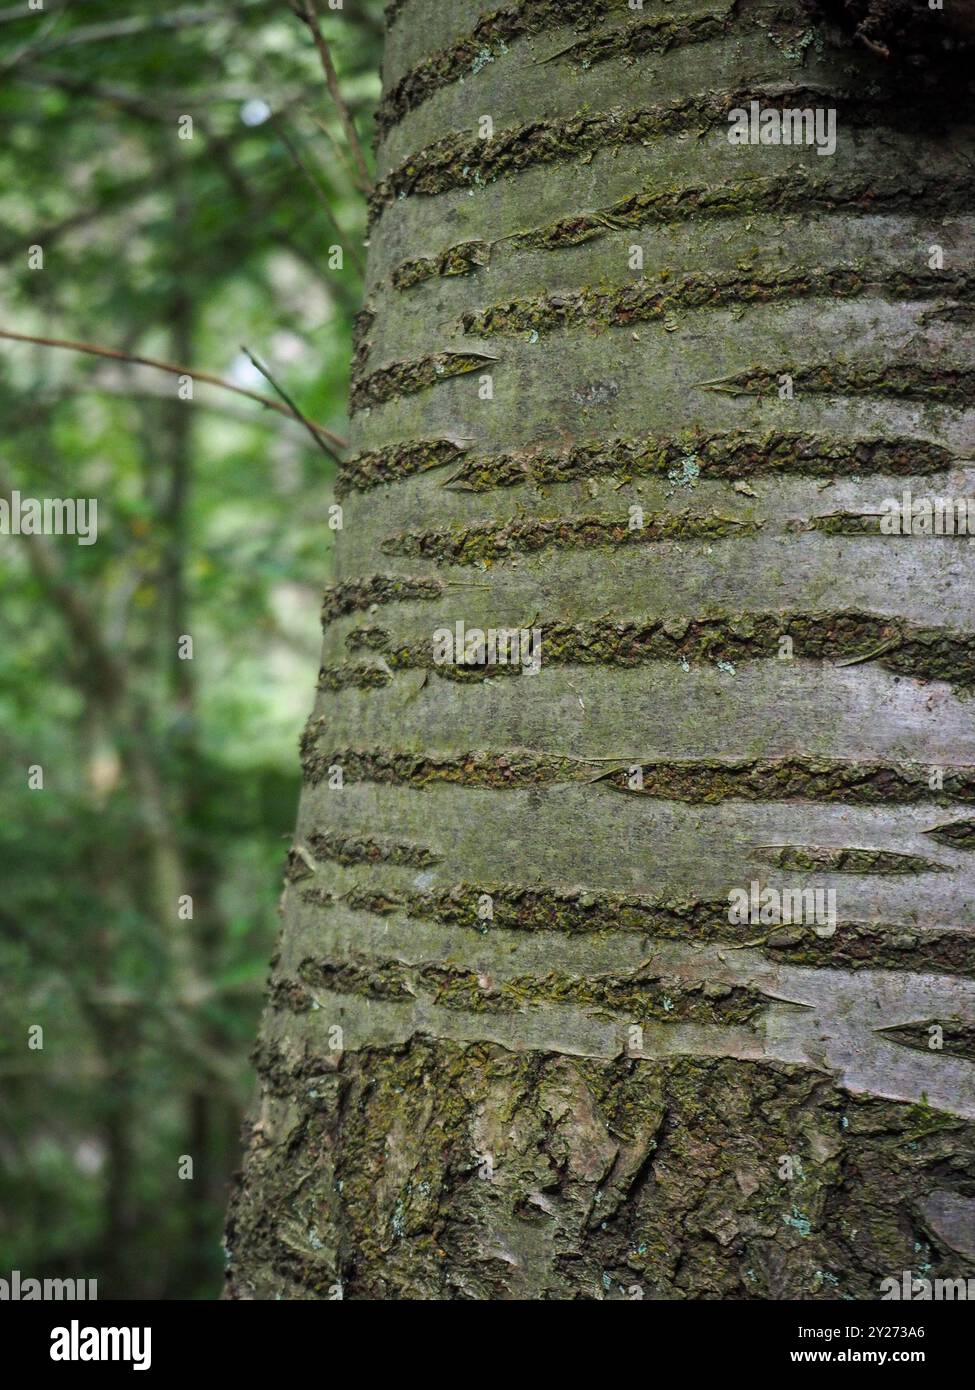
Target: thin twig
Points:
(312, 429)
(307, 11)
(320, 193)
(291, 411)
(341, 153)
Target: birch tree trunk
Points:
(639, 387)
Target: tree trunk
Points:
(520, 1040)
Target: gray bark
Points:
(515, 1044)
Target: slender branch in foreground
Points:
(312, 429)
(289, 410)
(307, 11)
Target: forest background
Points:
(174, 181)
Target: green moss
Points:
(875, 946)
(396, 461)
(797, 191)
(357, 975)
(459, 161)
(959, 834)
(356, 849)
(828, 859)
(407, 378)
(572, 913)
(644, 300)
(455, 260)
(493, 31)
(486, 545)
(632, 1162)
(705, 780)
(479, 769)
(631, 41)
(853, 946)
(797, 778)
(356, 594)
(847, 638)
(639, 998)
(916, 381)
(731, 455)
(636, 999)
(355, 676)
(869, 524)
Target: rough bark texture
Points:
(488, 907)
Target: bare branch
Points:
(322, 435)
(306, 10)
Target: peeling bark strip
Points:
(356, 594)
(645, 301)
(631, 41)
(800, 1002)
(811, 859)
(571, 913)
(870, 524)
(850, 638)
(514, 1047)
(460, 161)
(959, 834)
(638, 995)
(455, 260)
(806, 779)
(703, 987)
(406, 378)
(346, 849)
(957, 1038)
(706, 781)
(397, 461)
(729, 456)
(854, 946)
(361, 677)
(733, 455)
(480, 545)
(912, 381)
(492, 33)
(515, 769)
(797, 192)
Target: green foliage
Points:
(161, 777)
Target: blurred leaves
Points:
(212, 522)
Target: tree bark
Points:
(516, 1044)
